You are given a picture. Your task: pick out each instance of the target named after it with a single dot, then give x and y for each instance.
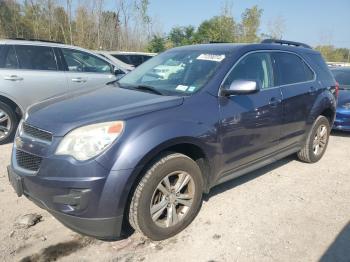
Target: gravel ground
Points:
(288, 211)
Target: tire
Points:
(308, 153)
(172, 167)
(8, 122)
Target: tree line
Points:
(85, 23)
(128, 26)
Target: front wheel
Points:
(316, 142)
(8, 123)
(167, 198)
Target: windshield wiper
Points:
(149, 88)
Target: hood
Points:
(60, 115)
(344, 97)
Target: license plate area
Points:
(15, 181)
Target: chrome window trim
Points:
(269, 51)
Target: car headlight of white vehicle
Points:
(89, 141)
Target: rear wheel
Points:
(8, 123)
(167, 198)
(316, 142)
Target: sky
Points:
(311, 21)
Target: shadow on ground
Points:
(340, 133)
(247, 177)
(339, 250)
(54, 252)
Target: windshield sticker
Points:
(191, 88)
(181, 88)
(211, 57)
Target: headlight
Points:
(346, 106)
(88, 141)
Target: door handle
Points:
(312, 90)
(13, 78)
(79, 80)
(274, 102)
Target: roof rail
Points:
(285, 42)
(32, 39)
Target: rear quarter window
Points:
(320, 65)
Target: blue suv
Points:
(144, 150)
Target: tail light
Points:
(336, 89)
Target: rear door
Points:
(30, 74)
(299, 90)
(250, 124)
(85, 70)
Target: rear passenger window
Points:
(291, 69)
(256, 66)
(36, 57)
(8, 58)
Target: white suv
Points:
(31, 71)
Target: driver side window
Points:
(256, 67)
(78, 61)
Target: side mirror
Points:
(241, 87)
(118, 71)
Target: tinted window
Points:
(291, 69)
(123, 58)
(36, 57)
(135, 60)
(78, 61)
(146, 57)
(257, 67)
(342, 77)
(8, 58)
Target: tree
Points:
(217, 29)
(156, 45)
(332, 54)
(250, 24)
(182, 35)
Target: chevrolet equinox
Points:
(143, 151)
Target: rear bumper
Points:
(342, 121)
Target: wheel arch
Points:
(14, 105)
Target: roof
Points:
(127, 53)
(233, 47)
(37, 43)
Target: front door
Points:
(250, 124)
(84, 70)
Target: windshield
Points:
(176, 72)
(342, 77)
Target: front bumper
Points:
(85, 196)
(96, 226)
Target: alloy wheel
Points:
(172, 199)
(5, 125)
(320, 140)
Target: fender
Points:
(324, 101)
(13, 100)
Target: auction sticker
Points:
(211, 57)
(181, 88)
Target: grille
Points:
(37, 133)
(28, 161)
